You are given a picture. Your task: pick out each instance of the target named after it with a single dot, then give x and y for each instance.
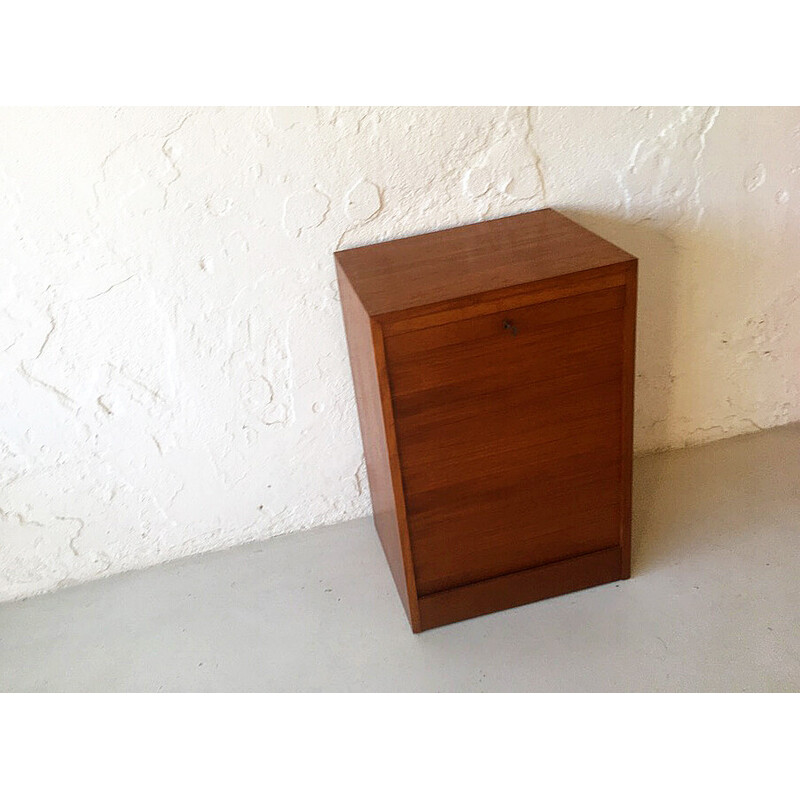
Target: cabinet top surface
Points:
(459, 262)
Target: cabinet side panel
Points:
(360, 344)
(628, 378)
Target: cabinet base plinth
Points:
(520, 588)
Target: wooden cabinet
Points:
(493, 370)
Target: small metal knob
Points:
(508, 325)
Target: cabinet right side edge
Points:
(628, 380)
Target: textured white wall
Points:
(173, 369)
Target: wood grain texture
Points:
(465, 261)
(385, 484)
(628, 376)
(494, 377)
(501, 299)
(527, 586)
(507, 440)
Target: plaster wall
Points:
(173, 369)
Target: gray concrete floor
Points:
(713, 605)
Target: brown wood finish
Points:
(519, 588)
(493, 367)
(628, 375)
(503, 299)
(369, 380)
(461, 262)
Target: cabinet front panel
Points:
(509, 435)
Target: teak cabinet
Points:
(493, 368)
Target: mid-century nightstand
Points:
(493, 368)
